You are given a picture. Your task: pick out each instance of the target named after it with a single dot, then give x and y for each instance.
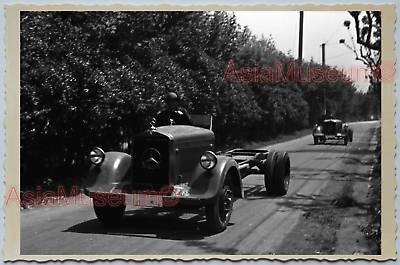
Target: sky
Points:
(318, 27)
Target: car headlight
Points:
(97, 156)
(317, 128)
(208, 160)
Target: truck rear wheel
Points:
(219, 213)
(269, 167)
(108, 214)
(282, 174)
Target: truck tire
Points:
(108, 214)
(269, 167)
(219, 213)
(282, 174)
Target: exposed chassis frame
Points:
(249, 161)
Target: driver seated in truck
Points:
(173, 114)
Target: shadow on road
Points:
(175, 224)
(315, 174)
(309, 203)
(352, 149)
(257, 191)
(329, 142)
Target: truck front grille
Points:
(150, 162)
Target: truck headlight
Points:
(97, 156)
(208, 160)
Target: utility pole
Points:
(300, 59)
(323, 69)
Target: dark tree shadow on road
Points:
(187, 225)
(309, 203)
(151, 222)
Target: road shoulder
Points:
(337, 226)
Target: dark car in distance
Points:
(332, 129)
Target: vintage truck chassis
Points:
(176, 167)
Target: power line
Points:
(331, 44)
(338, 55)
(334, 33)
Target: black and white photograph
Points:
(203, 132)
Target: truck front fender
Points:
(207, 183)
(110, 175)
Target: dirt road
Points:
(258, 225)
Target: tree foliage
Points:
(368, 26)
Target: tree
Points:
(96, 78)
(368, 36)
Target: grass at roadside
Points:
(316, 232)
(372, 230)
(278, 139)
(266, 142)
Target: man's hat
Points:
(171, 96)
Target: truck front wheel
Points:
(219, 213)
